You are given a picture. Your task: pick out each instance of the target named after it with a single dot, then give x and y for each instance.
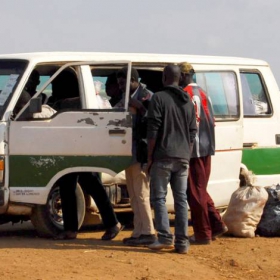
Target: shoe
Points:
(112, 232)
(127, 239)
(220, 232)
(159, 246)
(66, 235)
(180, 250)
(199, 242)
(142, 240)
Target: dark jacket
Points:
(172, 122)
(139, 129)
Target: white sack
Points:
(245, 210)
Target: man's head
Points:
(187, 73)
(171, 75)
(121, 77)
(33, 82)
(112, 86)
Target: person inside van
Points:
(23, 99)
(27, 93)
(207, 222)
(33, 82)
(113, 90)
(65, 91)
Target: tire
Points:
(47, 219)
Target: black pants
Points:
(91, 184)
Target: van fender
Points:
(38, 195)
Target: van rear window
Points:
(255, 100)
(221, 87)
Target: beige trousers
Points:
(139, 194)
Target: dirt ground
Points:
(23, 255)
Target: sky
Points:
(241, 28)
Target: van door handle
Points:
(117, 131)
(250, 145)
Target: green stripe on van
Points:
(263, 161)
(37, 171)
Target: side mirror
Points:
(35, 105)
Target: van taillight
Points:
(2, 169)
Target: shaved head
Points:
(171, 75)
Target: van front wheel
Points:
(47, 219)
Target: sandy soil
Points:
(25, 256)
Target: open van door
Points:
(87, 139)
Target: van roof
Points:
(37, 57)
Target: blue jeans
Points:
(175, 172)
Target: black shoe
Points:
(180, 250)
(142, 240)
(66, 235)
(112, 232)
(127, 239)
(199, 242)
(218, 233)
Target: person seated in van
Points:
(28, 91)
(24, 98)
(65, 91)
(33, 82)
(112, 89)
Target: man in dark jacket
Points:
(171, 133)
(207, 222)
(136, 179)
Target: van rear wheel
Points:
(47, 219)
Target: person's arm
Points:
(151, 147)
(138, 106)
(143, 105)
(192, 126)
(154, 123)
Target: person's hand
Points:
(147, 167)
(135, 104)
(147, 96)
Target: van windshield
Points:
(11, 71)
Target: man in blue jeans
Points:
(171, 133)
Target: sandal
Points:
(112, 232)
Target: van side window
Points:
(104, 87)
(107, 89)
(222, 89)
(255, 101)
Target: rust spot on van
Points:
(125, 122)
(45, 162)
(87, 121)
